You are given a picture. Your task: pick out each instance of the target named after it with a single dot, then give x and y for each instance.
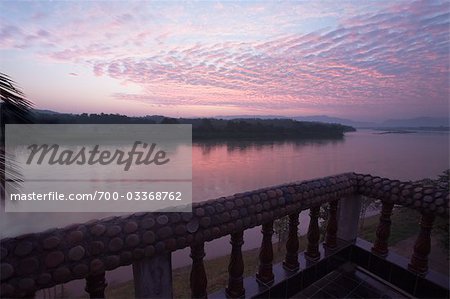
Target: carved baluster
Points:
(380, 246)
(291, 261)
(332, 226)
(235, 287)
(95, 285)
(419, 259)
(198, 274)
(312, 252)
(265, 274)
(153, 276)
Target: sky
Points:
(364, 60)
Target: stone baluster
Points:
(380, 246)
(265, 273)
(332, 226)
(198, 278)
(419, 259)
(95, 285)
(153, 276)
(235, 287)
(291, 260)
(312, 252)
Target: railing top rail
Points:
(424, 197)
(40, 260)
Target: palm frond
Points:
(13, 101)
(13, 107)
(12, 174)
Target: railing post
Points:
(265, 273)
(153, 277)
(349, 210)
(235, 287)
(332, 226)
(95, 285)
(291, 260)
(198, 278)
(312, 252)
(422, 247)
(380, 246)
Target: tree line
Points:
(210, 128)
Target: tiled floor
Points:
(349, 281)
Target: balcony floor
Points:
(350, 281)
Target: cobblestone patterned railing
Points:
(422, 197)
(41, 260)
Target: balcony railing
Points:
(145, 240)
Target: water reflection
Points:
(244, 146)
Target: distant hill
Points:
(315, 118)
(228, 117)
(419, 122)
(334, 120)
(44, 111)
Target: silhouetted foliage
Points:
(14, 107)
(93, 118)
(169, 121)
(263, 129)
(210, 128)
